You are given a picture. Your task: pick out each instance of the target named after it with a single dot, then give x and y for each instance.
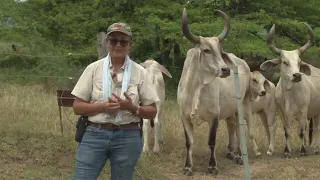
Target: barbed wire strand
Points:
(62, 105)
(81, 54)
(277, 113)
(66, 55)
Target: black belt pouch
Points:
(81, 127)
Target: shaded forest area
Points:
(59, 37)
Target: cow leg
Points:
(263, 118)
(157, 134)
(316, 131)
(302, 132)
(160, 119)
(271, 126)
(213, 128)
(238, 157)
(146, 131)
(188, 131)
(249, 119)
(310, 128)
(287, 133)
(250, 133)
(231, 134)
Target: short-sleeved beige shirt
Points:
(140, 89)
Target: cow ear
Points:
(305, 68)
(267, 86)
(164, 70)
(229, 62)
(269, 64)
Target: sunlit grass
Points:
(32, 146)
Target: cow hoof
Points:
(156, 149)
(303, 154)
(213, 171)
(187, 171)
(316, 152)
(269, 153)
(161, 142)
(258, 154)
(145, 149)
(287, 155)
(229, 155)
(238, 160)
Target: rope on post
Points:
(242, 124)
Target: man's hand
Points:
(125, 104)
(111, 107)
(112, 100)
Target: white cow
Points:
(206, 91)
(263, 103)
(298, 90)
(155, 71)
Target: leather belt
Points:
(110, 126)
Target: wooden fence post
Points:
(102, 45)
(65, 99)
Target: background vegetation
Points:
(51, 29)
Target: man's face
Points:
(118, 44)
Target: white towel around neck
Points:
(107, 81)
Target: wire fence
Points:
(191, 94)
(236, 95)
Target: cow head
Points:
(153, 67)
(259, 85)
(289, 61)
(212, 60)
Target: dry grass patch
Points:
(32, 147)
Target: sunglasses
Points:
(122, 42)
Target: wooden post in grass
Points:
(65, 99)
(102, 45)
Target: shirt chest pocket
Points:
(133, 91)
(97, 90)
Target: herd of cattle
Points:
(206, 85)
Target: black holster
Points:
(81, 127)
(141, 126)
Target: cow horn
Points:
(226, 25)
(310, 40)
(270, 41)
(185, 28)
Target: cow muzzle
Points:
(296, 77)
(225, 72)
(262, 93)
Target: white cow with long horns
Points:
(297, 92)
(206, 91)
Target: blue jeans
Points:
(122, 147)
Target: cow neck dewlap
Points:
(196, 102)
(198, 86)
(285, 82)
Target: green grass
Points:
(32, 147)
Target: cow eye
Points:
(254, 80)
(206, 51)
(285, 63)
